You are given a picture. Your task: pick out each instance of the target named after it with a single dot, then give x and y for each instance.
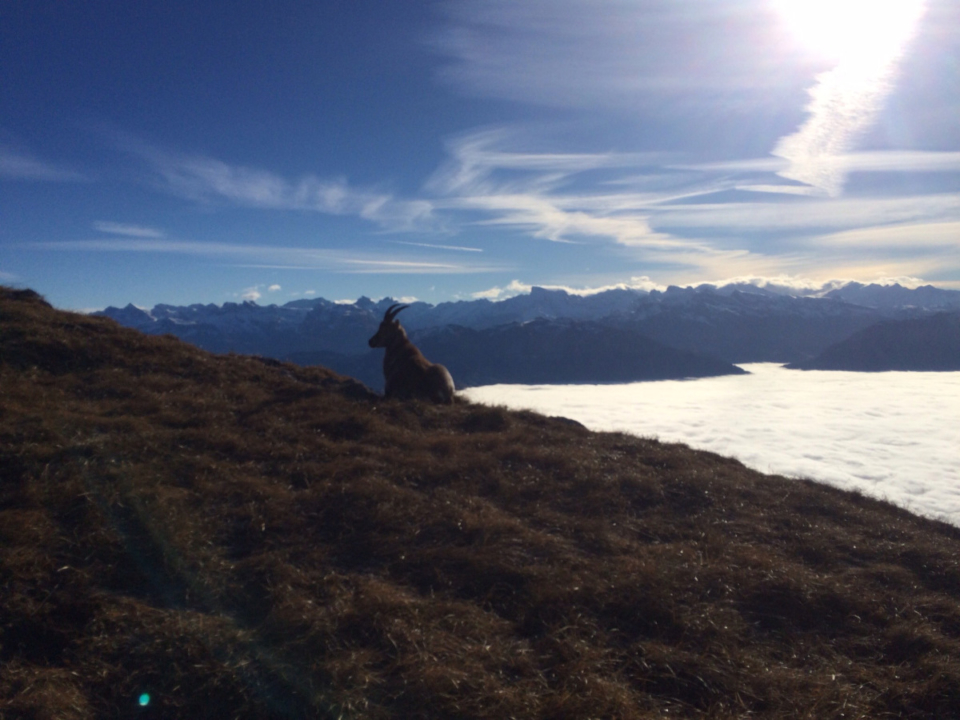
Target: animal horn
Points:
(392, 313)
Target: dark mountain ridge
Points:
(560, 352)
(929, 344)
(537, 352)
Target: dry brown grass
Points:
(248, 539)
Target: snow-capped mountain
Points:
(734, 323)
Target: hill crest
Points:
(254, 539)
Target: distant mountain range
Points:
(553, 336)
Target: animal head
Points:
(389, 327)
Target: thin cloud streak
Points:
(259, 256)
(811, 215)
(16, 165)
(870, 161)
(126, 230)
(457, 248)
(559, 220)
(923, 235)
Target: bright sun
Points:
(851, 30)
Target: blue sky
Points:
(187, 152)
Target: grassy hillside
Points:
(243, 539)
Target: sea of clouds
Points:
(892, 435)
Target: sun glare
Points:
(851, 30)
(864, 40)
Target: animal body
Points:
(406, 372)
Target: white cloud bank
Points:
(515, 287)
(891, 435)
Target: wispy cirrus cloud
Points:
(206, 179)
(690, 217)
(535, 192)
(127, 230)
(17, 165)
(271, 257)
(917, 236)
(475, 156)
(808, 216)
(868, 161)
(434, 246)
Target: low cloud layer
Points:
(890, 435)
(516, 287)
